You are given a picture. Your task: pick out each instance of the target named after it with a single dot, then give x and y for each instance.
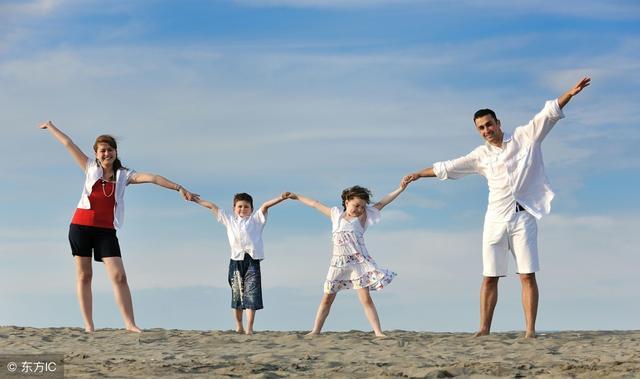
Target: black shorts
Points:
(102, 241)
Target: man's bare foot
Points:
(133, 329)
(531, 334)
(481, 333)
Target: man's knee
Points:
(528, 277)
(490, 280)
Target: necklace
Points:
(104, 184)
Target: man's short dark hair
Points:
(484, 112)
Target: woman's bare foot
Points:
(133, 329)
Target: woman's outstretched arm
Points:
(77, 154)
(144, 177)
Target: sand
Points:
(160, 353)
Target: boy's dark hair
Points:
(484, 112)
(355, 191)
(242, 197)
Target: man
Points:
(519, 194)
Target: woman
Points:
(99, 213)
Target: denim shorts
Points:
(245, 281)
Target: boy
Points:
(244, 230)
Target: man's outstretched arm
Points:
(565, 97)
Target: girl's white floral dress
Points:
(351, 264)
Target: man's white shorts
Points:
(518, 236)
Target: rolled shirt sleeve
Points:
(542, 123)
(457, 168)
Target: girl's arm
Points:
(391, 196)
(264, 208)
(312, 203)
(143, 177)
(77, 154)
(207, 204)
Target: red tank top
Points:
(103, 200)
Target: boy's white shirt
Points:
(244, 234)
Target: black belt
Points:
(519, 207)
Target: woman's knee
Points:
(119, 277)
(84, 277)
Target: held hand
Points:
(285, 195)
(403, 184)
(292, 196)
(46, 125)
(584, 82)
(186, 194)
(408, 179)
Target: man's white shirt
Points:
(515, 171)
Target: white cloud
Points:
(29, 7)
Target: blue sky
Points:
(313, 96)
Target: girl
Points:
(351, 265)
(99, 213)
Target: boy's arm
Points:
(77, 154)
(391, 196)
(264, 208)
(312, 203)
(207, 204)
